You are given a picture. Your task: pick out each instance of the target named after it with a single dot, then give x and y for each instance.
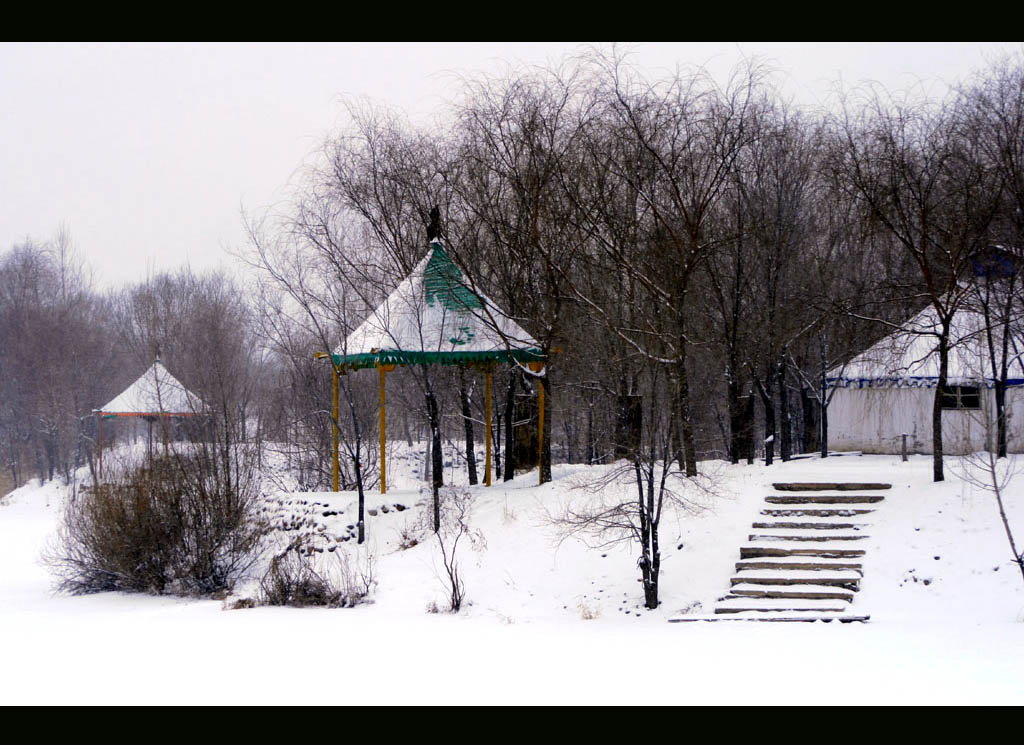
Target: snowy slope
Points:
(957, 638)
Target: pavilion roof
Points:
(434, 316)
(156, 392)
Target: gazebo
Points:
(435, 317)
(155, 395)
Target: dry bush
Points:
(454, 527)
(184, 523)
(294, 579)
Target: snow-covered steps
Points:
(821, 550)
(760, 605)
(824, 499)
(804, 535)
(774, 617)
(812, 564)
(830, 486)
(789, 592)
(803, 512)
(821, 524)
(803, 562)
(848, 578)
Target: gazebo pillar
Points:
(382, 370)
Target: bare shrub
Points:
(295, 579)
(185, 522)
(588, 612)
(454, 527)
(409, 537)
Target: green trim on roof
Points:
(399, 357)
(443, 281)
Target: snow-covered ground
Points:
(548, 620)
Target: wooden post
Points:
(383, 433)
(487, 427)
(99, 441)
(334, 432)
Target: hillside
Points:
(548, 617)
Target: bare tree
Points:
(921, 178)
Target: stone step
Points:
(797, 512)
(773, 617)
(823, 499)
(836, 578)
(796, 562)
(829, 486)
(794, 525)
(830, 551)
(787, 592)
(808, 536)
(755, 605)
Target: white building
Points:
(889, 390)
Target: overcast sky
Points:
(147, 153)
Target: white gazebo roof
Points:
(155, 393)
(434, 317)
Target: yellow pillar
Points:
(383, 433)
(487, 427)
(334, 441)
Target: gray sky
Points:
(148, 152)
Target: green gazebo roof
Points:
(434, 317)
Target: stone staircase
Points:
(803, 558)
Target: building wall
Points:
(872, 420)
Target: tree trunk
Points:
(545, 443)
(809, 430)
(823, 430)
(769, 421)
(437, 459)
(732, 392)
(786, 423)
(685, 426)
(468, 423)
(591, 450)
(510, 442)
(1000, 391)
(937, 471)
(748, 427)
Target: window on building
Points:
(961, 397)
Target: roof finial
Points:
(434, 228)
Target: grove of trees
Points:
(693, 256)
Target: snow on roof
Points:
(909, 356)
(434, 316)
(155, 392)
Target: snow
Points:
(946, 607)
